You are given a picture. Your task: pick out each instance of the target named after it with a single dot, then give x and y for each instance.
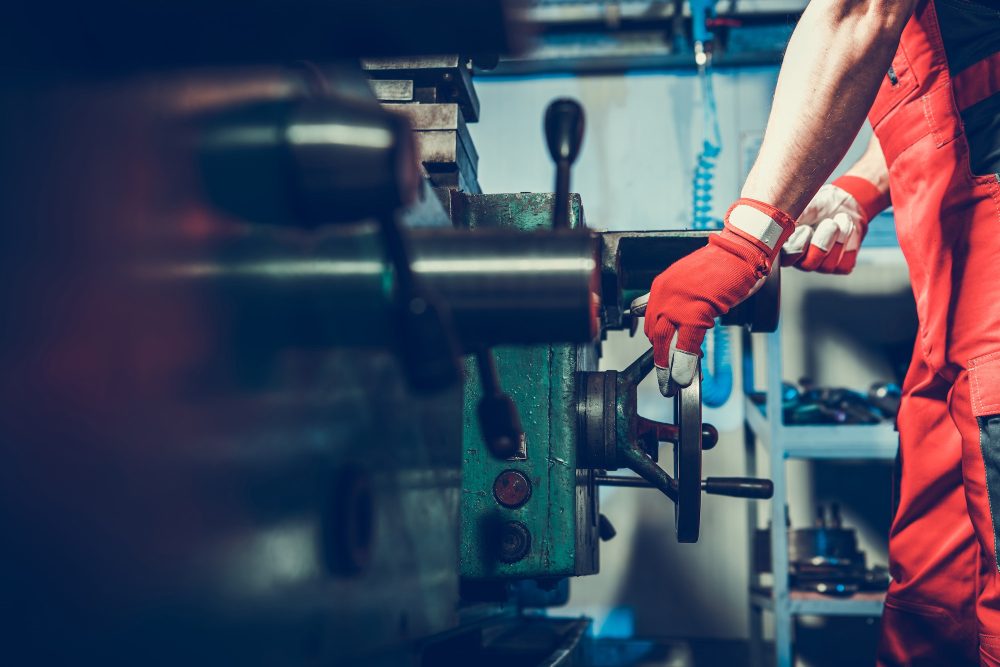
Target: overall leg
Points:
(933, 555)
(981, 470)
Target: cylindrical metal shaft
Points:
(499, 286)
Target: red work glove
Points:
(834, 224)
(686, 299)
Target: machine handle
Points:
(739, 487)
(499, 420)
(564, 123)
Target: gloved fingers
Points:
(663, 339)
(682, 368)
(832, 260)
(847, 262)
(851, 248)
(684, 355)
(856, 235)
(796, 245)
(846, 229)
(639, 304)
(823, 239)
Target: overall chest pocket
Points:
(898, 85)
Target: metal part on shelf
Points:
(824, 558)
(779, 442)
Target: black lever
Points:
(736, 487)
(499, 421)
(427, 346)
(564, 123)
(739, 487)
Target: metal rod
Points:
(620, 480)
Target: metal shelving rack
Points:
(781, 442)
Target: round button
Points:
(515, 542)
(512, 488)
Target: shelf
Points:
(834, 441)
(803, 603)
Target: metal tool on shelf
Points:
(825, 558)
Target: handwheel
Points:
(687, 462)
(612, 435)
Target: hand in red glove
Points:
(686, 299)
(833, 225)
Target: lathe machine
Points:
(280, 384)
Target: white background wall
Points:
(643, 134)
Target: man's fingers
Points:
(683, 369)
(663, 381)
(847, 262)
(829, 264)
(845, 230)
(685, 350)
(823, 239)
(683, 366)
(851, 247)
(662, 339)
(796, 245)
(689, 339)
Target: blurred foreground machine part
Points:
(212, 454)
(123, 36)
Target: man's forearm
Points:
(871, 166)
(836, 59)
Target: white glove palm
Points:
(828, 233)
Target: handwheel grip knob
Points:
(739, 487)
(709, 436)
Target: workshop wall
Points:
(643, 135)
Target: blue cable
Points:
(717, 382)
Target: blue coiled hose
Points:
(717, 383)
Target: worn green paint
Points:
(542, 382)
(518, 210)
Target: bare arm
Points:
(835, 61)
(871, 166)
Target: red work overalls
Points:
(943, 607)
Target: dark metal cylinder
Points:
(499, 286)
(511, 286)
